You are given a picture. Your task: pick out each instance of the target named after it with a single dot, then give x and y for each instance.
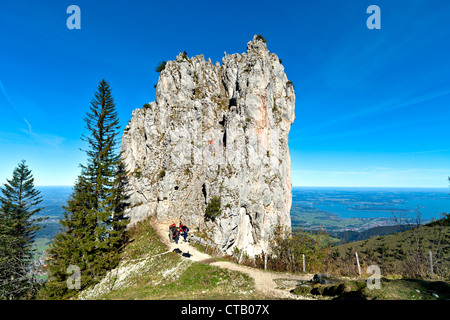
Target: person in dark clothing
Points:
(185, 230)
(176, 235)
(172, 228)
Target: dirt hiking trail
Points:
(264, 280)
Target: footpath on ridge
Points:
(264, 280)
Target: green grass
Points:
(143, 241)
(197, 281)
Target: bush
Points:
(288, 249)
(261, 38)
(161, 66)
(213, 210)
(137, 173)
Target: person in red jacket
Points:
(180, 228)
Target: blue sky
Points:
(372, 106)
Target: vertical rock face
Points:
(215, 131)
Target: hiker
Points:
(180, 227)
(176, 235)
(172, 228)
(185, 230)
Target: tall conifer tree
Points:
(18, 205)
(94, 224)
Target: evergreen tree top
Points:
(20, 189)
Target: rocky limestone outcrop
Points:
(215, 131)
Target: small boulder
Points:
(322, 278)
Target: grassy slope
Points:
(351, 236)
(390, 253)
(391, 250)
(389, 289)
(148, 272)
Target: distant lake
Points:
(374, 202)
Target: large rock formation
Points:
(215, 131)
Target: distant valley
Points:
(53, 198)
